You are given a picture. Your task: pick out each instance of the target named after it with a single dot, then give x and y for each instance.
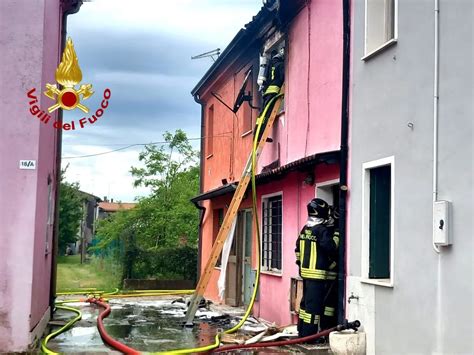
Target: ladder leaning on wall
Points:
(229, 219)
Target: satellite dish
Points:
(242, 96)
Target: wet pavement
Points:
(147, 325)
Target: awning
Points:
(274, 174)
(299, 165)
(221, 190)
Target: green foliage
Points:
(166, 263)
(166, 220)
(70, 212)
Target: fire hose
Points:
(348, 325)
(212, 347)
(105, 336)
(44, 343)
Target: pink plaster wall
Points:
(274, 302)
(47, 155)
(310, 124)
(29, 40)
(312, 120)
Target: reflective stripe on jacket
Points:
(314, 252)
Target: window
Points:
(329, 192)
(272, 233)
(378, 212)
(218, 219)
(380, 24)
(379, 228)
(210, 131)
(245, 112)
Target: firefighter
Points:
(329, 317)
(314, 248)
(272, 86)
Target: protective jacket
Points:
(315, 251)
(277, 76)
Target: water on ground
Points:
(147, 325)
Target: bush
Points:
(179, 263)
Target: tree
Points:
(70, 212)
(171, 171)
(164, 223)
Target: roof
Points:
(116, 206)
(88, 195)
(273, 174)
(243, 39)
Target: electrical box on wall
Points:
(441, 223)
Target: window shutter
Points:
(380, 191)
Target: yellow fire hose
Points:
(216, 344)
(44, 343)
(139, 293)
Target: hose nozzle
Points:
(349, 325)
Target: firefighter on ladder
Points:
(271, 87)
(315, 248)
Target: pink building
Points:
(302, 161)
(30, 40)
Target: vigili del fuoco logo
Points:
(66, 96)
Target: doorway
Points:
(328, 191)
(239, 278)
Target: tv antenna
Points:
(215, 52)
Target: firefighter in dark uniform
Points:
(329, 317)
(314, 248)
(276, 77)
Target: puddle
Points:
(148, 326)
(144, 325)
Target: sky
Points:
(141, 50)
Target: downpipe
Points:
(198, 205)
(344, 160)
(435, 112)
(55, 242)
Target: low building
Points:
(106, 208)
(90, 207)
(302, 161)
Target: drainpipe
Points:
(343, 159)
(71, 9)
(435, 109)
(198, 205)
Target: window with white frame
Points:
(272, 233)
(380, 24)
(378, 212)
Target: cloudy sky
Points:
(141, 51)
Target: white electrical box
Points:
(441, 223)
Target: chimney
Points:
(105, 199)
(111, 200)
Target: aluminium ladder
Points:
(229, 218)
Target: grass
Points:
(73, 275)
